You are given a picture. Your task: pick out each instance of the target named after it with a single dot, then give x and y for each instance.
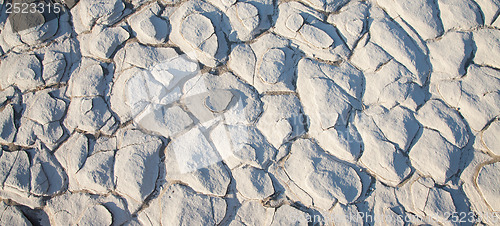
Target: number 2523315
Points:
(33, 8)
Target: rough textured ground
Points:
(282, 112)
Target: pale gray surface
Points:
(252, 112)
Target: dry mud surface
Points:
(251, 112)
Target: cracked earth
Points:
(252, 112)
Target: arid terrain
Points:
(250, 112)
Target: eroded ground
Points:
(281, 112)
